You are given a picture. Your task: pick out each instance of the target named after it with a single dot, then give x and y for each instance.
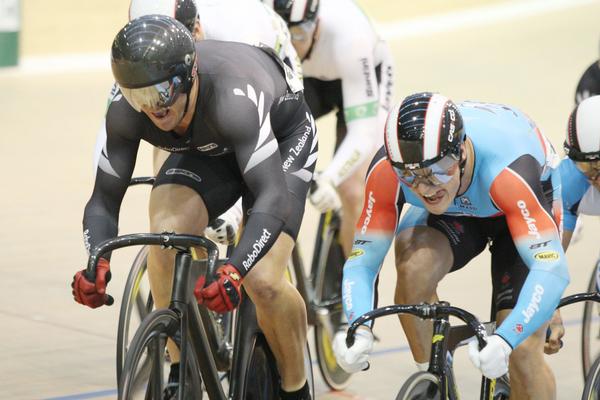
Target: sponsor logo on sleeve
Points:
(86, 240)
(348, 293)
(529, 220)
(366, 70)
(540, 244)
(369, 212)
(361, 242)
(519, 328)
(546, 256)
(534, 303)
(257, 248)
(356, 253)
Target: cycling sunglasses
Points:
(436, 174)
(154, 97)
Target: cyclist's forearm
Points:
(358, 290)
(537, 301)
(98, 228)
(260, 233)
(360, 273)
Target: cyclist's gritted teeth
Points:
(434, 198)
(161, 113)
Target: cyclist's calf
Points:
(530, 376)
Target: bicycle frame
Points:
(445, 339)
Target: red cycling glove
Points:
(93, 294)
(222, 295)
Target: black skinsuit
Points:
(250, 136)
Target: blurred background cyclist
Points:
(347, 69)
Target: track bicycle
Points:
(137, 302)
(253, 373)
(590, 327)
(320, 290)
(438, 381)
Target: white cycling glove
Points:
(324, 197)
(353, 359)
(492, 360)
(223, 229)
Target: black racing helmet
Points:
(583, 131)
(153, 60)
(423, 129)
(184, 11)
(295, 12)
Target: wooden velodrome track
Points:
(527, 53)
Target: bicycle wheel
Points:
(146, 367)
(137, 303)
(421, 385)
(590, 329)
(591, 391)
(328, 300)
(262, 378)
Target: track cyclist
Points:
(347, 69)
(580, 176)
(473, 174)
(225, 20)
(580, 170)
(225, 111)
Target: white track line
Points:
(515, 9)
(475, 17)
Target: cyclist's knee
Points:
(526, 359)
(264, 288)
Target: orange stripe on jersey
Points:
(525, 216)
(380, 212)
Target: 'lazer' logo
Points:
(256, 249)
(347, 294)
(369, 212)
(530, 221)
(534, 304)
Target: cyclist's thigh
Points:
(464, 239)
(212, 183)
(508, 269)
